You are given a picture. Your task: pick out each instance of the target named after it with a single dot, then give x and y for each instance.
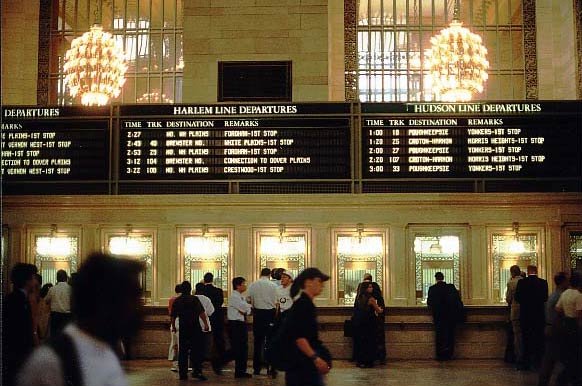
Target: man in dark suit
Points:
(17, 332)
(531, 294)
(444, 302)
(216, 296)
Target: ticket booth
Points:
(358, 252)
(54, 249)
(282, 248)
(135, 244)
(206, 250)
(512, 246)
(575, 249)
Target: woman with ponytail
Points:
(311, 359)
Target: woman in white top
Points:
(570, 307)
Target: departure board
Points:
(55, 144)
(472, 140)
(204, 142)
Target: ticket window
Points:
(575, 250)
(515, 247)
(137, 246)
(435, 253)
(205, 253)
(53, 252)
(286, 250)
(357, 255)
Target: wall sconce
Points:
(205, 230)
(281, 233)
(436, 248)
(516, 246)
(360, 230)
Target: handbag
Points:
(348, 328)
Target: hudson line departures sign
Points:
(472, 140)
(235, 142)
(55, 144)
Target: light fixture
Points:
(436, 248)
(458, 63)
(281, 233)
(360, 229)
(95, 66)
(516, 246)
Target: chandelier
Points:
(95, 67)
(458, 63)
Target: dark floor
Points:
(401, 373)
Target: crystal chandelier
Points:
(458, 63)
(95, 67)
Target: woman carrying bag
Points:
(365, 320)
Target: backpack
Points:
(65, 349)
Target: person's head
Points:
(532, 270)
(439, 276)
(239, 284)
(561, 280)
(276, 273)
(368, 277)
(23, 276)
(45, 289)
(199, 288)
(576, 280)
(286, 278)
(310, 281)
(62, 276)
(178, 289)
(185, 287)
(105, 298)
(265, 272)
(208, 278)
(365, 288)
(515, 271)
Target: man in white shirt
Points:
(106, 301)
(263, 297)
(284, 300)
(59, 299)
(236, 312)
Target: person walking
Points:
(311, 360)
(216, 296)
(531, 293)
(106, 302)
(553, 334)
(189, 310)
(365, 322)
(263, 298)
(517, 341)
(59, 298)
(443, 301)
(237, 311)
(17, 327)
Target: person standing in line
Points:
(106, 302)
(189, 309)
(173, 350)
(380, 337)
(311, 360)
(284, 303)
(216, 296)
(209, 310)
(44, 312)
(17, 330)
(441, 301)
(553, 333)
(59, 298)
(35, 308)
(531, 293)
(237, 311)
(263, 297)
(515, 272)
(569, 306)
(366, 313)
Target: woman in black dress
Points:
(365, 322)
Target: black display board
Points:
(55, 144)
(206, 142)
(472, 140)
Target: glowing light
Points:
(127, 245)
(54, 246)
(95, 67)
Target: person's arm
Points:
(508, 294)
(518, 289)
(174, 316)
(205, 321)
(49, 296)
(210, 309)
(374, 303)
(304, 346)
(220, 297)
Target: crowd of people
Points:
(71, 324)
(546, 331)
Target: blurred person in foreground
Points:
(18, 331)
(105, 303)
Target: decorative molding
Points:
(44, 27)
(530, 49)
(351, 50)
(578, 21)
